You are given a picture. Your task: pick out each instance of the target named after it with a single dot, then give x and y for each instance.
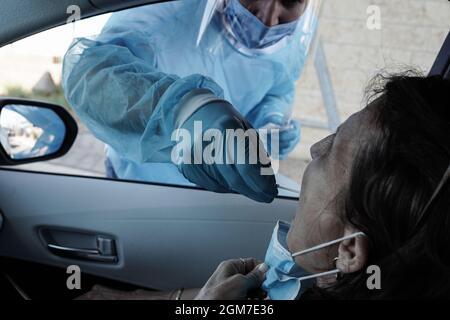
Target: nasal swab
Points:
(287, 189)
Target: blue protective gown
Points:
(126, 84)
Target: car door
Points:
(150, 235)
(164, 237)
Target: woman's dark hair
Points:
(392, 180)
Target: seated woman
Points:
(381, 183)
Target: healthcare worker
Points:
(231, 64)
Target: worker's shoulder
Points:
(148, 17)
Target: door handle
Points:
(105, 251)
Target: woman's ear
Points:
(353, 253)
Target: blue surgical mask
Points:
(251, 32)
(285, 280)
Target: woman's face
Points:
(318, 216)
(275, 12)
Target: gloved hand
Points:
(234, 280)
(289, 134)
(236, 176)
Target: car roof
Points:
(20, 19)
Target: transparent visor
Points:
(233, 21)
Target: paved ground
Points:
(86, 154)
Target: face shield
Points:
(242, 28)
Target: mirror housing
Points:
(38, 116)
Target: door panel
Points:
(165, 237)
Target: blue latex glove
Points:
(245, 178)
(289, 134)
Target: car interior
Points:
(125, 235)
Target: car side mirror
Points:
(33, 131)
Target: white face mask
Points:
(285, 280)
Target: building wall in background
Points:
(411, 34)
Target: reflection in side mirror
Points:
(32, 131)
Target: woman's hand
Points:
(233, 280)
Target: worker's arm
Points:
(136, 109)
(124, 100)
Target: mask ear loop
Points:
(321, 246)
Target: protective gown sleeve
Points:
(278, 101)
(280, 98)
(276, 109)
(123, 98)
